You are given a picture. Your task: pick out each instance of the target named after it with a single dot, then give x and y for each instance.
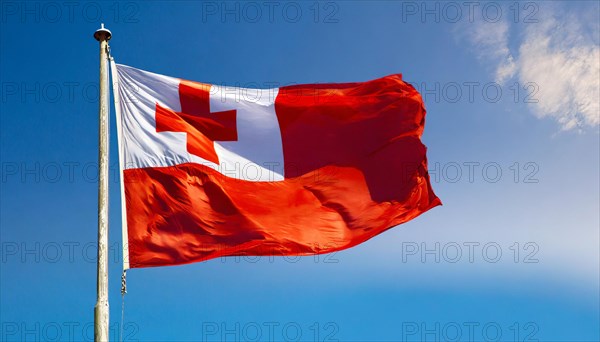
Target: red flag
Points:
(214, 171)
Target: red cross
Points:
(203, 128)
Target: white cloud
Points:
(491, 43)
(560, 54)
(565, 64)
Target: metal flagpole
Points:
(101, 309)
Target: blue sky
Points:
(516, 241)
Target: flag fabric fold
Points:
(211, 171)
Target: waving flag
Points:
(212, 171)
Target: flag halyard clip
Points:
(123, 292)
(124, 283)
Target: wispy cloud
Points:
(560, 53)
(490, 40)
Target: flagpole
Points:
(101, 324)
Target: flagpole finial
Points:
(102, 33)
